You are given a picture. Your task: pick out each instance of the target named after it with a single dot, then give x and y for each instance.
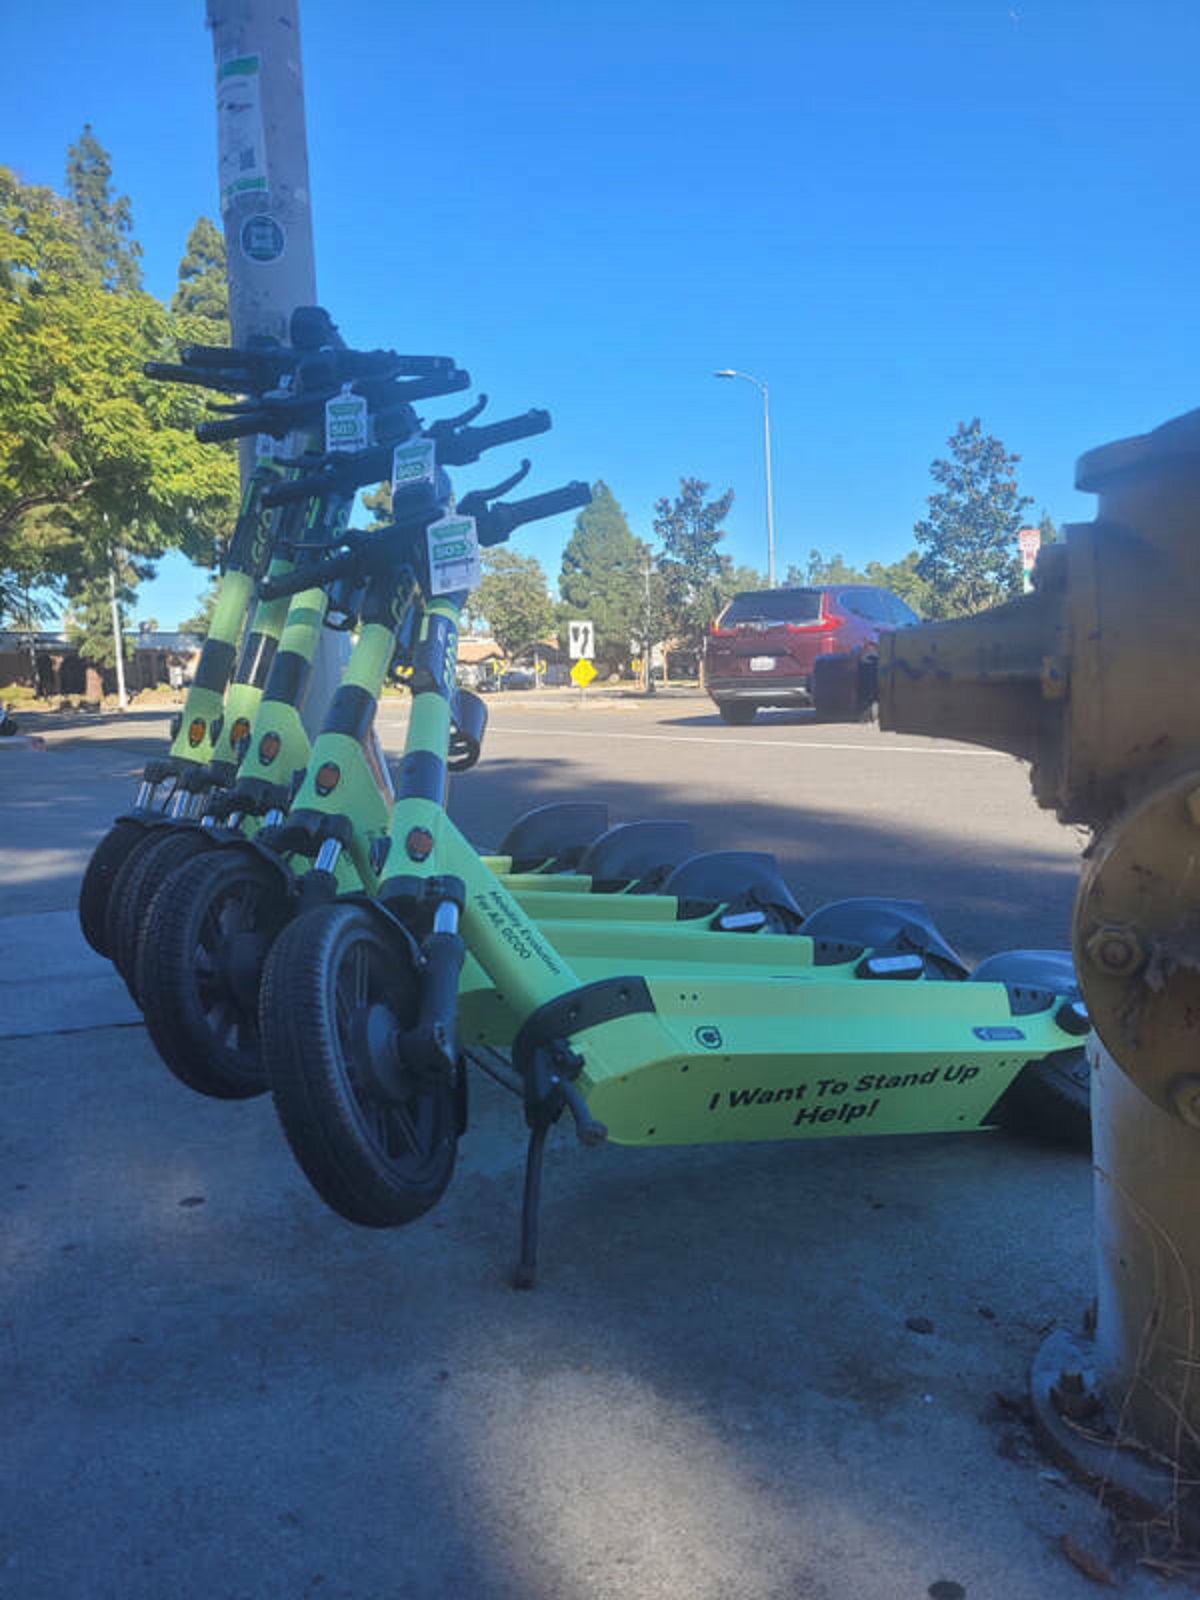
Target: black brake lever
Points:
(477, 500)
(439, 430)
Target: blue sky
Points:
(899, 215)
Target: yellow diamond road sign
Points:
(583, 672)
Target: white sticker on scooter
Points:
(413, 462)
(346, 421)
(453, 555)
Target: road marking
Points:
(757, 744)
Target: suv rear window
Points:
(773, 605)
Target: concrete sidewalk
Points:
(213, 1387)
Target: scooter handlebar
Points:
(242, 427)
(498, 521)
(357, 470)
(468, 444)
(227, 380)
(345, 365)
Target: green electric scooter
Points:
(277, 654)
(175, 787)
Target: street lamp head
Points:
(725, 372)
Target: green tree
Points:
(105, 218)
(689, 530)
(514, 599)
(601, 576)
(968, 540)
(1047, 529)
(202, 288)
(93, 455)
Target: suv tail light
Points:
(721, 633)
(825, 623)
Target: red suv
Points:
(762, 649)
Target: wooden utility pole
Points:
(266, 210)
(263, 164)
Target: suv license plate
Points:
(762, 663)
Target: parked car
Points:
(762, 648)
(518, 678)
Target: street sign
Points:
(581, 640)
(635, 666)
(583, 672)
(1029, 542)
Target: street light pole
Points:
(730, 372)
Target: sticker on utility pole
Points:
(413, 462)
(453, 555)
(581, 638)
(261, 238)
(242, 150)
(346, 422)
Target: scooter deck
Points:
(729, 1059)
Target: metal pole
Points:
(732, 372)
(770, 506)
(118, 642)
(648, 643)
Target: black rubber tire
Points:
(141, 878)
(372, 1161)
(223, 904)
(94, 890)
(1050, 1101)
(738, 713)
(126, 877)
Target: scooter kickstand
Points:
(549, 1092)
(525, 1274)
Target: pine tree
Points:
(968, 542)
(203, 288)
(107, 218)
(601, 576)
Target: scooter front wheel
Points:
(200, 959)
(143, 875)
(106, 861)
(376, 1140)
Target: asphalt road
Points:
(749, 1372)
